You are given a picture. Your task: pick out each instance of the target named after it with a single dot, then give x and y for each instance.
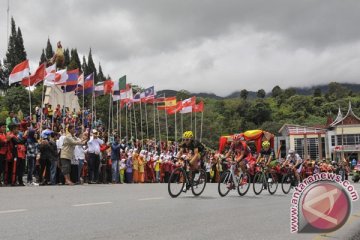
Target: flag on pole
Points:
(50, 75)
(148, 95)
(168, 102)
(189, 102)
(35, 78)
(199, 107)
(99, 89)
(19, 72)
(119, 85)
(108, 85)
(81, 80)
(72, 81)
(87, 86)
(60, 78)
(174, 109)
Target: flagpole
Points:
(141, 127)
(120, 120)
(131, 131)
(146, 121)
(109, 117)
(117, 118)
(182, 122)
(112, 115)
(191, 122)
(195, 122)
(175, 128)
(166, 125)
(29, 95)
(154, 121)
(136, 136)
(83, 101)
(158, 116)
(92, 108)
(126, 122)
(42, 103)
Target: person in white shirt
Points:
(94, 156)
(79, 154)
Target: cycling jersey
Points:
(267, 153)
(294, 158)
(192, 145)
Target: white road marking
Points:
(13, 211)
(91, 204)
(147, 199)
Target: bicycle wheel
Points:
(259, 182)
(272, 183)
(225, 183)
(244, 184)
(199, 182)
(176, 182)
(286, 183)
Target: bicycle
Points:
(289, 180)
(231, 179)
(194, 179)
(265, 178)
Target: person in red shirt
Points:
(3, 151)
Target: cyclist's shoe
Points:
(187, 187)
(244, 181)
(230, 186)
(265, 186)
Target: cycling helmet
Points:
(188, 134)
(291, 151)
(265, 144)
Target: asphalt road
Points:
(146, 211)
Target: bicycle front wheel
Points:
(225, 183)
(286, 183)
(272, 183)
(199, 182)
(244, 184)
(259, 182)
(176, 182)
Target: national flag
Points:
(168, 102)
(72, 81)
(19, 72)
(50, 75)
(174, 109)
(148, 95)
(189, 102)
(108, 85)
(136, 98)
(99, 89)
(119, 85)
(199, 107)
(87, 86)
(81, 80)
(187, 109)
(60, 78)
(35, 78)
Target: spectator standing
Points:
(94, 156)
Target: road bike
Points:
(233, 179)
(182, 179)
(265, 178)
(289, 180)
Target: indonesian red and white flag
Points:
(20, 71)
(36, 77)
(50, 75)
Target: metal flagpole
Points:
(95, 108)
(195, 123)
(166, 125)
(175, 128)
(158, 116)
(117, 118)
(131, 132)
(112, 115)
(83, 105)
(92, 109)
(136, 136)
(182, 122)
(141, 127)
(191, 122)
(120, 120)
(146, 121)
(41, 113)
(109, 125)
(126, 122)
(154, 120)
(29, 95)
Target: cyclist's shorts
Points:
(299, 168)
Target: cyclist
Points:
(295, 162)
(240, 150)
(193, 147)
(266, 153)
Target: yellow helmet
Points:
(265, 144)
(188, 134)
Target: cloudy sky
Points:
(201, 46)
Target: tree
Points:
(91, 66)
(42, 57)
(19, 46)
(289, 92)
(261, 93)
(85, 67)
(244, 94)
(11, 58)
(100, 75)
(276, 91)
(66, 57)
(317, 92)
(337, 91)
(16, 99)
(49, 53)
(74, 61)
(183, 94)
